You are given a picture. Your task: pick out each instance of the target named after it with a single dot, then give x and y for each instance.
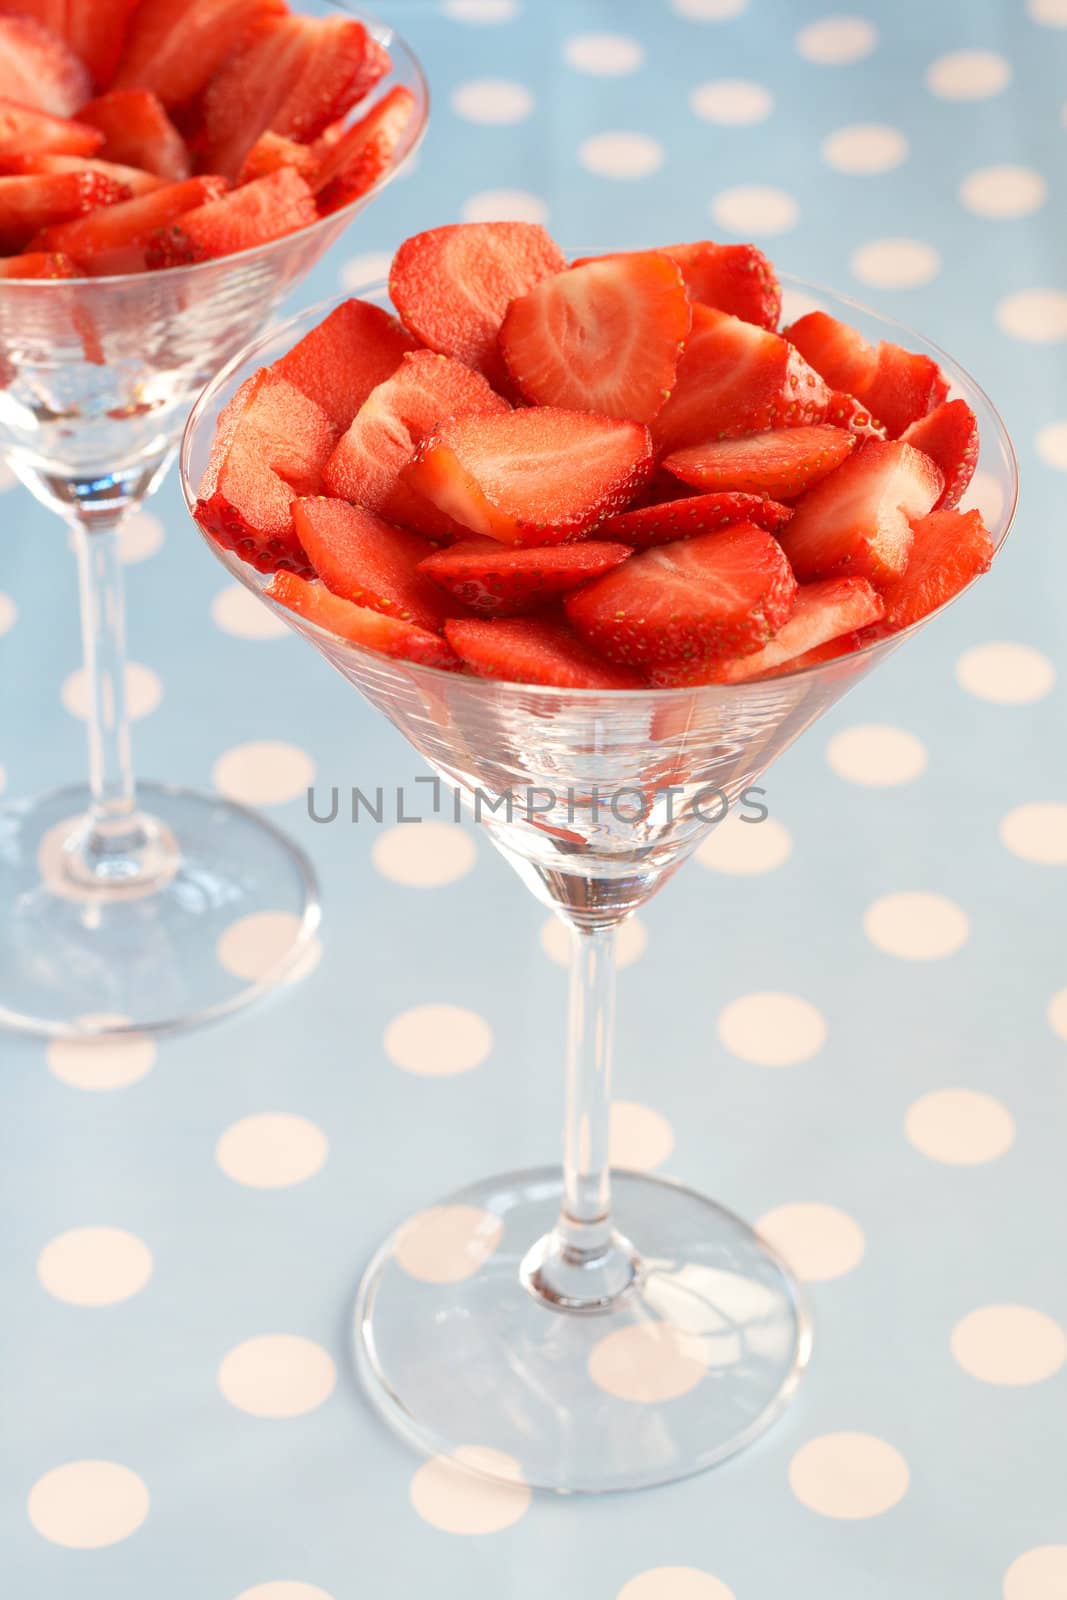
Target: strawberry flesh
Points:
(533, 650)
(38, 68)
(736, 278)
(354, 163)
(949, 548)
(38, 264)
(845, 411)
(34, 203)
(369, 561)
(138, 133)
(265, 209)
(175, 47)
(497, 581)
(24, 130)
(342, 359)
(837, 352)
(684, 519)
(391, 636)
(782, 463)
(111, 240)
(905, 387)
(949, 436)
(132, 179)
(271, 151)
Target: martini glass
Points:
(113, 898)
(542, 1305)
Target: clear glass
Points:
(548, 1303)
(114, 897)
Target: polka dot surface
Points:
(253, 946)
(1008, 673)
(744, 849)
(144, 691)
(447, 1244)
(267, 772)
(837, 41)
(603, 55)
(360, 271)
(896, 263)
(864, 149)
(1036, 316)
(732, 102)
(437, 1041)
(1003, 191)
(272, 1150)
(961, 1127)
(772, 1030)
(277, 1375)
(756, 209)
(709, 10)
(1038, 1574)
(848, 1476)
(236, 611)
(876, 755)
(985, 492)
(453, 1493)
(819, 1242)
(916, 926)
(1052, 445)
(1057, 1013)
(97, 1064)
(674, 1583)
(481, 11)
(284, 1589)
(424, 855)
(1049, 13)
(8, 613)
(492, 102)
(1011, 1346)
(1037, 832)
(140, 537)
(621, 155)
(641, 1138)
(94, 1266)
(88, 1505)
(968, 75)
(647, 1363)
(504, 205)
(631, 941)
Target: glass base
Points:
(690, 1364)
(228, 911)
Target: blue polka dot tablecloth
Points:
(849, 1023)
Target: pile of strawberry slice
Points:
(610, 475)
(138, 134)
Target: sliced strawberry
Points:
(174, 47)
(129, 178)
(845, 411)
(369, 561)
(23, 130)
(96, 31)
(265, 209)
(783, 463)
(108, 241)
(531, 477)
(858, 520)
(733, 379)
(837, 352)
(138, 133)
(38, 264)
(533, 650)
(497, 581)
(38, 69)
(685, 519)
(351, 165)
(273, 150)
(341, 360)
(688, 603)
(905, 387)
(948, 550)
(453, 285)
(949, 436)
(396, 415)
(271, 446)
(390, 636)
(736, 278)
(30, 204)
(604, 337)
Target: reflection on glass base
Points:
(691, 1363)
(232, 912)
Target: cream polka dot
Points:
(504, 205)
(1011, 1346)
(438, 1041)
(8, 613)
(796, 303)
(446, 1244)
(895, 263)
(1037, 832)
(1007, 674)
(742, 848)
(732, 102)
(492, 102)
(631, 941)
(1004, 191)
(143, 691)
(361, 271)
(772, 1030)
(604, 55)
(755, 209)
(266, 773)
(1037, 316)
(487, 11)
(1052, 445)
(916, 926)
(8, 479)
(1039, 1574)
(864, 149)
(451, 1492)
(837, 41)
(140, 537)
(876, 755)
(272, 1150)
(237, 611)
(648, 1363)
(674, 1583)
(848, 1476)
(87, 1505)
(968, 75)
(985, 493)
(3, 780)
(277, 1375)
(1057, 1013)
(424, 855)
(961, 1127)
(94, 1266)
(818, 1241)
(621, 155)
(284, 1589)
(108, 1062)
(1049, 13)
(253, 946)
(641, 1138)
(709, 10)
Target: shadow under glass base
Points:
(690, 1364)
(231, 914)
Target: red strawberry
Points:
(531, 477)
(858, 520)
(39, 264)
(390, 636)
(688, 603)
(837, 352)
(684, 519)
(452, 285)
(96, 31)
(343, 358)
(845, 411)
(533, 650)
(905, 387)
(271, 151)
(38, 69)
(263, 210)
(351, 165)
(23, 130)
(174, 47)
(605, 337)
(736, 278)
(129, 178)
(949, 548)
(783, 463)
(368, 561)
(138, 133)
(949, 436)
(365, 467)
(30, 204)
(497, 581)
(271, 446)
(111, 240)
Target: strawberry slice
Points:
(96, 31)
(365, 467)
(684, 519)
(271, 446)
(112, 240)
(497, 581)
(131, 179)
(837, 352)
(782, 463)
(859, 518)
(736, 278)
(38, 69)
(452, 285)
(688, 603)
(351, 165)
(531, 477)
(390, 636)
(38, 264)
(341, 360)
(604, 337)
(529, 650)
(23, 130)
(138, 133)
(733, 379)
(369, 561)
(30, 204)
(845, 411)
(949, 436)
(273, 150)
(174, 47)
(265, 209)
(949, 549)
(905, 387)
